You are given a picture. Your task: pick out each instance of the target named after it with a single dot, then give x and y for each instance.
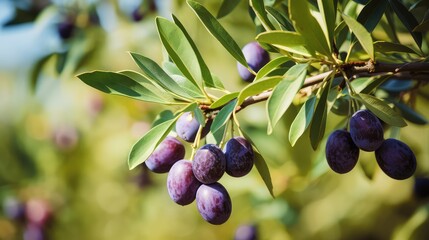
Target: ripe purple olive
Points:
(421, 187)
(182, 185)
(396, 159)
(366, 130)
(214, 203)
(187, 127)
(341, 152)
(256, 57)
(13, 208)
(169, 151)
(209, 164)
(33, 232)
(239, 157)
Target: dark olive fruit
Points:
(66, 29)
(239, 157)
(396, 159)
(341, 152)
(421, 187)
(169, 151)
(366, 130)
(256, 57)
(181, 183)
(209, 164)
(137, 15)
(187, 127)
(214, 203)
(246, 232)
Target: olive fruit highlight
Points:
(181, 183)
(209, 164)
(169, 151)
(366, 130)
(214, 203)
(239, 157)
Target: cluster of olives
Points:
(198, 179)
(34, 213)
(394, 157)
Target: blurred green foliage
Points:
(67, 144)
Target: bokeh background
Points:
(64, 145)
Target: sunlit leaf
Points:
(120, 84)
(216, 29)
(180, 50)
(209, 81)
(227, 7)
(259, 8)
(153, 72)
(199, 115)
(282, 19)
(223, 116)
(363, 36)
(258, 87)
(328, 11)
(302, 120)
(368, 84)
(309, 28)
(381, 110)
(283, 94)
(224, 100)
(271, 66)
(144, 147)
(288, 41)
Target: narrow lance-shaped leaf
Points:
(318, 125)
(371, 14)
(410, 114)
(180, 50)
(283, 94)
(289, 41)
(258, 87)
(270, 66)
(259, 8)
(328, 10)
(209, 81)
(216, 29)
(224, 100)
(282, 19)
(227, 7)
(120, 84)
(309, 28)
(223, 116)
(260, 165)
(144, 147)
(390, 47)
(408, 19)
(302, 120)
(363, 36)
(152, 71)
(381, 110)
